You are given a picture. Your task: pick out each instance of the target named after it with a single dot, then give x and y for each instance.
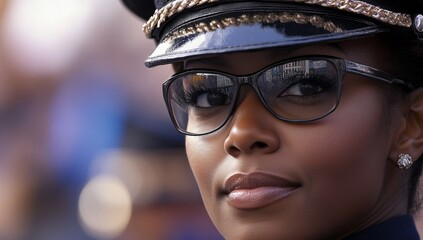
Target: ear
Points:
(409, 139)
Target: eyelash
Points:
(191, 94)
(323, 83)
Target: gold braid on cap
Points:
(170, 9)
(354, 6)
(269, 18)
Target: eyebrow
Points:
(283, 51)
(276, 52)
(338, 47)
(213, 61)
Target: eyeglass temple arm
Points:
(374, 73)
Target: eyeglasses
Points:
(296, 90)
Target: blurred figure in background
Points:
(84, 152)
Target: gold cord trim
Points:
(269, 18)
(366, 9)
(354, 6)
(161, 15)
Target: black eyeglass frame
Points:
(342, 66)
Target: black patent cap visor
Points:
(234, 27)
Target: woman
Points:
(303, 118)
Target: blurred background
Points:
(87, 150)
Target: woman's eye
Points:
(304, 89)
(309, 87)
(201, 97)
(207, 100)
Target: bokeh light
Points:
(105, 207)
(137, 172)
(43, 36)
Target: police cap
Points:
(187, 29)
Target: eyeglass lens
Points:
(297, 91)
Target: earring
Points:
(404, 161)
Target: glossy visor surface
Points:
(251, 28)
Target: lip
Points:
(256, 190)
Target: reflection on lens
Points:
(200, 102)
(300, 90)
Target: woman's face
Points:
(262, 178)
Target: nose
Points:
(252, 128)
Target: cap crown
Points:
(145, 8)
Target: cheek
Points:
(358, 144)
(344, 159)
(349, 161)
(209, 163)
(203, 157)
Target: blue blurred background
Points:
(86, 147)
(87, 150)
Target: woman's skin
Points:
(340, 170)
